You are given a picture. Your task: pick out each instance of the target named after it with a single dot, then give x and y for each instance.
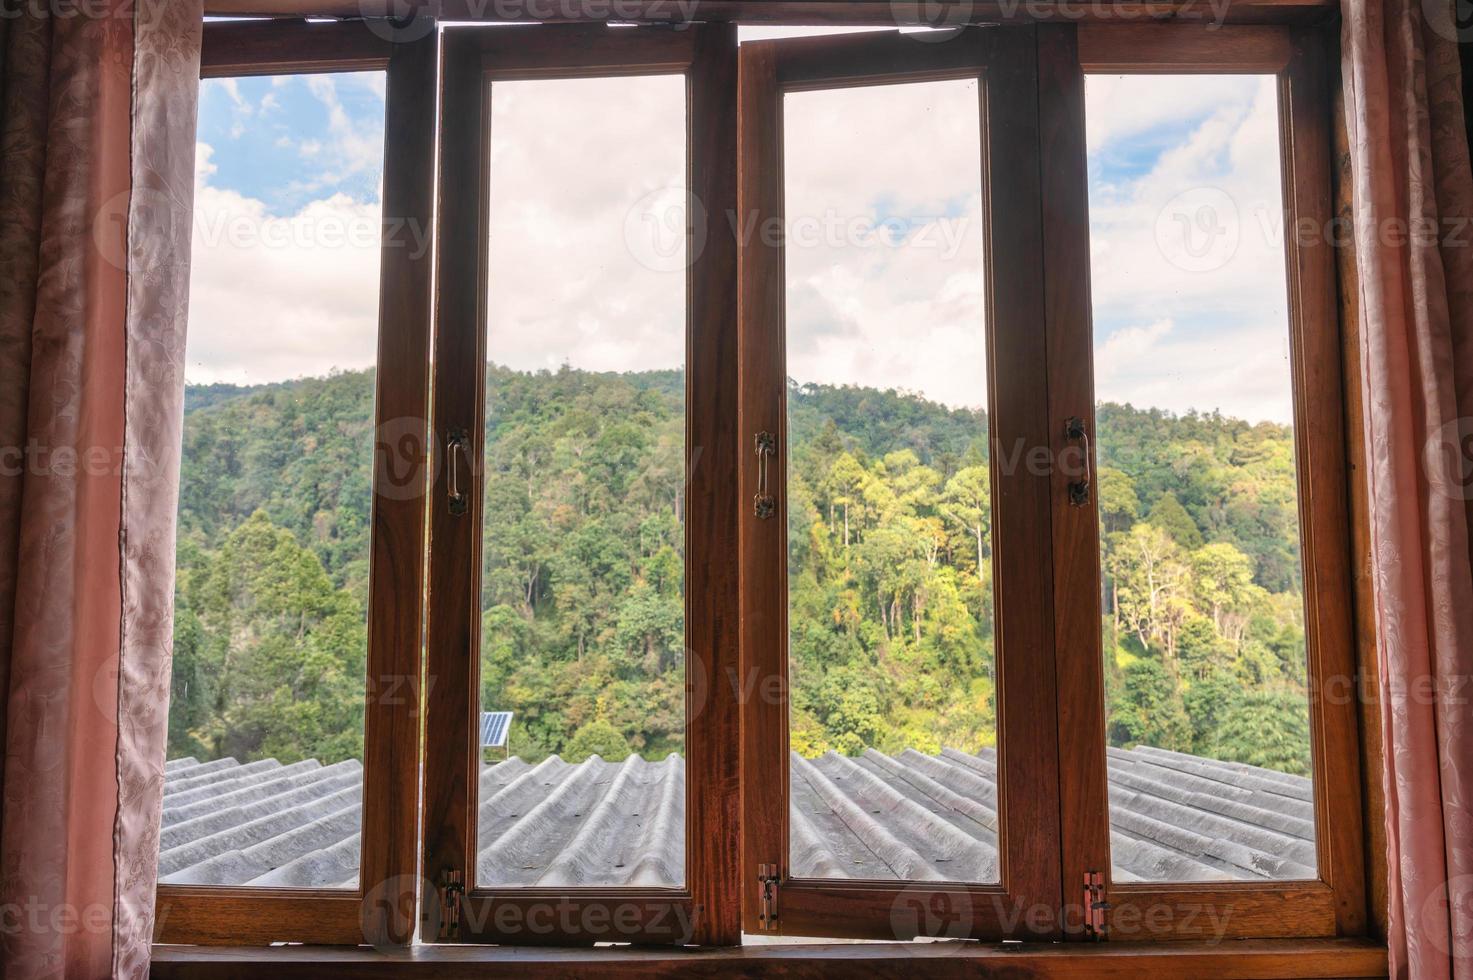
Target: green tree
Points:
(597, 738)
(1170, 516)
(1267, 727)
(1150, 709)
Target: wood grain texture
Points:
(289, 47)
(1320, 443)
(1076, 537)
(1178, 48)
(762, 544)
(449, 765)
(1028, 726)
(380, 909)
(714, 451)
(393, 720)
(1245, 960)
(882, 12)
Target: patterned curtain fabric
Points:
(97, 122)
(1412, 195)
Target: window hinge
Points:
(452, 889)
(767, 895)
(1095, 906)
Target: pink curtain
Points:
(96, 175)
(1413, 201)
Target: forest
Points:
(890, 577)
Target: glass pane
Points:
(583, 556)
(893, 722)
(1207, 706)
(264, 781)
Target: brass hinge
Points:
(767, 895)
(1095, 906)
(452, 889)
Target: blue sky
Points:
(1188, 280)
(287, 220)
(288, 139)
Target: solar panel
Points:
(494, 728)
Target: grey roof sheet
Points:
(910, 816)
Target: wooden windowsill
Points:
(1246, 958)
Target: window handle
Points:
(764, 505)
(457, 446)
(1079, 489)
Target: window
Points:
(1270, 843)
(292, 728)
(584, 584)
(1205, 657)
(874, 485)
(898, 740)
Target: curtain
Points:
(1412, 201)
(97, 121)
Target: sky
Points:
(884, 229)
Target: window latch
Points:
(1079, 489)
(457, 446)
(764, 505)
(767, 895)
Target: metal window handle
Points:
(1079, 489)
(457, 445)
(764, 505)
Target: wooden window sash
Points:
(704, 910)
(1026, 901)
(1335, 904)
(380, 909)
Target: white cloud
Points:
(572, 161)
(1122, 107)
(569, 160)
(907, 315)
(275, 297)
(1226, 342)
(1242, 373)
(351, 146)
(1125, 348)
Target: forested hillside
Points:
(891, 615)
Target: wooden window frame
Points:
(380, 909)
(1335, 905)
(704, 910)
(1025, 901)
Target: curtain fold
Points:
(96, 180)
(1412, 201)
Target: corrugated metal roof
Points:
(911, 816)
